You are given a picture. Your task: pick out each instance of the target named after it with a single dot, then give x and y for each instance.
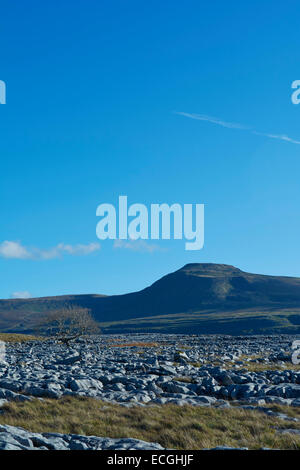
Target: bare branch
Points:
(68, 324)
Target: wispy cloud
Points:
(61, 249)
(15, 250)
(137, 245)
(213, 120)
(21, 295)
(284, 137)
(232, 125)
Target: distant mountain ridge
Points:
(206, 297)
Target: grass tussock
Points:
(196, 364)
(174, 427)
(18, 338)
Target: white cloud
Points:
(136, 245)
(232, 125)
(15, 250)
(9, 249)
(21, 295)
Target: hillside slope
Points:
(210, 298)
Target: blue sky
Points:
(93, 95)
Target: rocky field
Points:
(222, 373)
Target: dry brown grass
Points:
(248, 365)
(176, 427)
(133, 345)
(259, 367)
(183, 379)
(18, 338)
(291, 411)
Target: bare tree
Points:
(68, 324)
